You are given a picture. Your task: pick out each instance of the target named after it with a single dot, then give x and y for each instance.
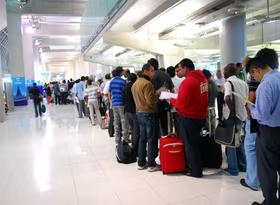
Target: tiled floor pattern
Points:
(60, 159)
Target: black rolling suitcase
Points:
(211, 151)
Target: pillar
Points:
(233, 42)
(16, 62)
(2, 106)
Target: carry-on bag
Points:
(226, 132)
(172, 153)
(124, 153)
(211, 152)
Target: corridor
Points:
(60, 159)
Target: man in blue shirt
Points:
(116, 88)
(267, 112)
(80, 89)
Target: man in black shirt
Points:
(37, 99)
(130, 111)
(162, 79)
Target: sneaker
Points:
(154, 169)
(141, 167)
(243, 183)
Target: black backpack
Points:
(124, 153)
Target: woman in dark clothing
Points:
(130, 111)
(37, 99)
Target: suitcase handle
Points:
(170, 135)
(173, 144)
(174, 152)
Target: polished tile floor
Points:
(60, 159)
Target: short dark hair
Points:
(119, 70)
(64, 81)
(114, 73)
(269, 57)
(146, 67)
(231, 69)
(153, 62)
(34, 84)
(162, 69)
(89, 82)
(187, 63)
(207, 73)
(108, 76)
(83, 78)
(256, 62)
(171, 71)
(238, 64)
(132, 77)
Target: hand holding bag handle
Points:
(226, 131)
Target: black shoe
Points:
(243, 183)
(255, 203)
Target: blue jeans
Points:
(232, 156)
(147, 124)
(251, 176)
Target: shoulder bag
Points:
(227, 132)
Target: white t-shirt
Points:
(242, 89)
(107, 87)
(177, 82)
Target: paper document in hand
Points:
(167, 96)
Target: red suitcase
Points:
(172, 154)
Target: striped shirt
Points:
(116, 87)
(92, 92)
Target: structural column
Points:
(16, 62)
(233, 40)
(2, 106)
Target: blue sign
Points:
(19, 91)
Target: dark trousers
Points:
(220, 103)
(132, 121)
(37, 105)
(147, 124)
(190, 130)
(163, 122)
(268, 162)
(57, 99)
(64, 98)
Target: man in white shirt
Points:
(241, 93)
(220, 82)
(91, 95)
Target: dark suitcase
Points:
(124, 153)
(211, 153)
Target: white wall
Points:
(99, 69)
(3, 16)
(81, 68)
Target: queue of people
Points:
(247, 93)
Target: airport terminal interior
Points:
(66, 135)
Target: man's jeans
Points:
(82, 108)
(120, 128)
(251, 176)
(147, 123)
(94, 107)
(232, 157)
(131, 119)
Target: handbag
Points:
(43, 108)
(227, 132)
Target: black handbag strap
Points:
(233, 99)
